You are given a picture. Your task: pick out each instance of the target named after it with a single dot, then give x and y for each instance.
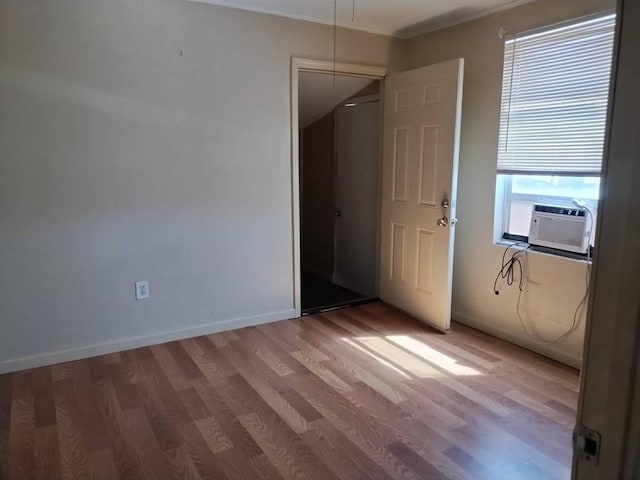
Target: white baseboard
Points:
(51, 358)
(521, 341)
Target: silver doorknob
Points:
(442, 222)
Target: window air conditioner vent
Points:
(562, 228)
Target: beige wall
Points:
(138, 144)
(317, 232)
(555, 284)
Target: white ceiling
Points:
(403, 18)
(317, 94)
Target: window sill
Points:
(503, 242)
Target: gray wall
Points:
(357, 190)
(138, 144)
(321, 145)
(556, 285)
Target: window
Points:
(555, 91)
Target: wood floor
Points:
(358, 393)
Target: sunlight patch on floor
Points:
(432, 355)
(375, 357)
(400, 357)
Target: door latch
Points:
(586, 443)
(444, 221)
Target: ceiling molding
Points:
(428, 26)
(425, 26)
(278, 13)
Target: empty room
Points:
(319, 239)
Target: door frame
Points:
(609, 401)
(298, 65)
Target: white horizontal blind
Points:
(555, 91)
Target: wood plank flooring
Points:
(359, 393)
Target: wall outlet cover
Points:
(142, 289)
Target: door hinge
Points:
(586, 443)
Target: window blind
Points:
(555, 91)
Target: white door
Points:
(419, 179)
(357, 181)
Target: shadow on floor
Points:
(319, 294)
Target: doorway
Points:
(416, 198)
(339, 172)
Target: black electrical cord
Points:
(507, 272)
(508, 267)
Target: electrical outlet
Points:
(142, 289)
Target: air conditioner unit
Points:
(562, 228)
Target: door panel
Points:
(357, 185)
(398, 251)
(425, 256)
(429, 165)
(419, 183)
(400, 162)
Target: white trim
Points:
(348, 69)
(524, 342)
(51, 358)
(323, 66)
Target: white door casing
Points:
(420, 168)
(357, 181)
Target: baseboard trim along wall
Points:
(523, 342)
(51, 358)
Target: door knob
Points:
(442, 222)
